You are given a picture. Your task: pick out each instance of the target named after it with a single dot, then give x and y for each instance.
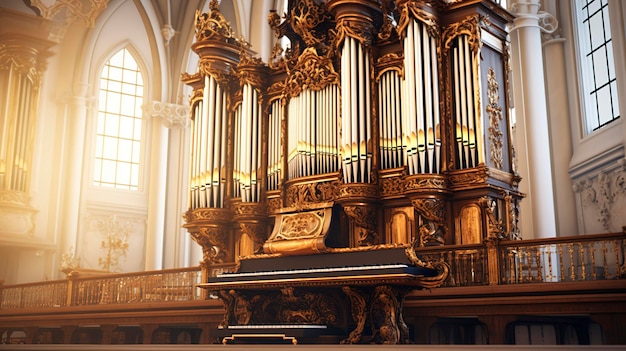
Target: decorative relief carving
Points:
(208, 214)
(433, 229)
(213, 25)
(364, 219)
(306, 16)
(495, 229)
(429, 182)
(172, 114)
(410, 10)
(359, 29)
(494, 111)
(250, 70)
(299, 195)
(392, 186)
(601, 193)
(213, 243)
(469, 26)
(474, 176)
(287, 306)
(22, 60)
(312, 71)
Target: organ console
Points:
(381, 128)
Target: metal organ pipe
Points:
(420, 117)
(389, 87)
(208, 154)
(465, 107)
(356, 131)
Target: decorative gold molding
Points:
(494, 112)
(470, 26)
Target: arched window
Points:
(595, 54)
(119, 124)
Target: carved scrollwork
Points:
(250, 71)
(425, 182)
(287, 306)
(495, 229)
(299, 195)
(391, 186)
(359, 29)
(478, 175)
(213, 243)
(410, 10)
(469, 26)
(305, 17)
(208, 214)
(213, 25)
(364, 218)
(358, 305)
(433, 229)
(355, 191)
(494, 111)
(311, 71)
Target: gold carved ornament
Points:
(302, 195)
(250, 70)
(495, 229)
(433, 229)
(470, 26)
(212, 240)
(311, 71)
(359, 29)
(213, 25)
(364, 218)
(410, 10)
(305, 17)
(494, 111)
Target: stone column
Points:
(560, 133)
(164, 213)
(532, 131)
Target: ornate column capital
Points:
(171, 114)
(528, 15)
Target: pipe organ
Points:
(381, 129)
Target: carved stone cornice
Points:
(85, 11)
(171, 114)
(602, 191)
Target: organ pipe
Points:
(420, 115)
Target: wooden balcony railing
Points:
(563, 259)
(153, 286)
